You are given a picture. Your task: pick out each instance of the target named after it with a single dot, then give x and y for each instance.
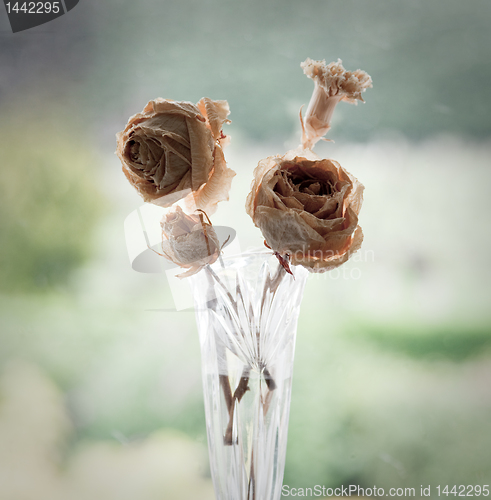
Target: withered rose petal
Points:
(285, 231)
(216, 113)
(217, 187)
(322, 226)
(324, 261)
(307, 208)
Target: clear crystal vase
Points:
(247, 310)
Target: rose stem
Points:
(248, 369)
(273, 286)
(224, 288)
(281, 272)
(223, 377)
(223, 373)
(227, 392)
(267, 402)
(242, 388)
(269, 380)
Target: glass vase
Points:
(246, 310)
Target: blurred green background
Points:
(100, 389)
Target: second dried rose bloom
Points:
(172, 150)
(307, 208)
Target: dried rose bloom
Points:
(189, 241)
(173, 150)
(307, 208)
(332, 85)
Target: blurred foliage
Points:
(361, 412)
(425, 342)
(48, 201)
(34, 428)
(366, 414)
(428, 59)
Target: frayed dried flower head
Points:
(189, 241)
(173, 150)
(332, 85)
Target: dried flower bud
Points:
(173, 150)
(189, 241)
(307, 208)
(332, 85)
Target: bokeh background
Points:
(100, 389)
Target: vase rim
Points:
(231, 261)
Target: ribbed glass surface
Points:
(247, 310)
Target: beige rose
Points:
(189, 241)
(333, 84)
(307, 208)
(172, 150)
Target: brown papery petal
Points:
(338, 241)
(162, 124)
(355, 198)
(288, 201)
(193, 247)
(183, 108)
(265, 165)
(217, 187)
(282, 186)
(323, 226)
(332, 208)
(216, 113)
(317, 264)
(201, 153)
(286, 232)
(310, 202)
